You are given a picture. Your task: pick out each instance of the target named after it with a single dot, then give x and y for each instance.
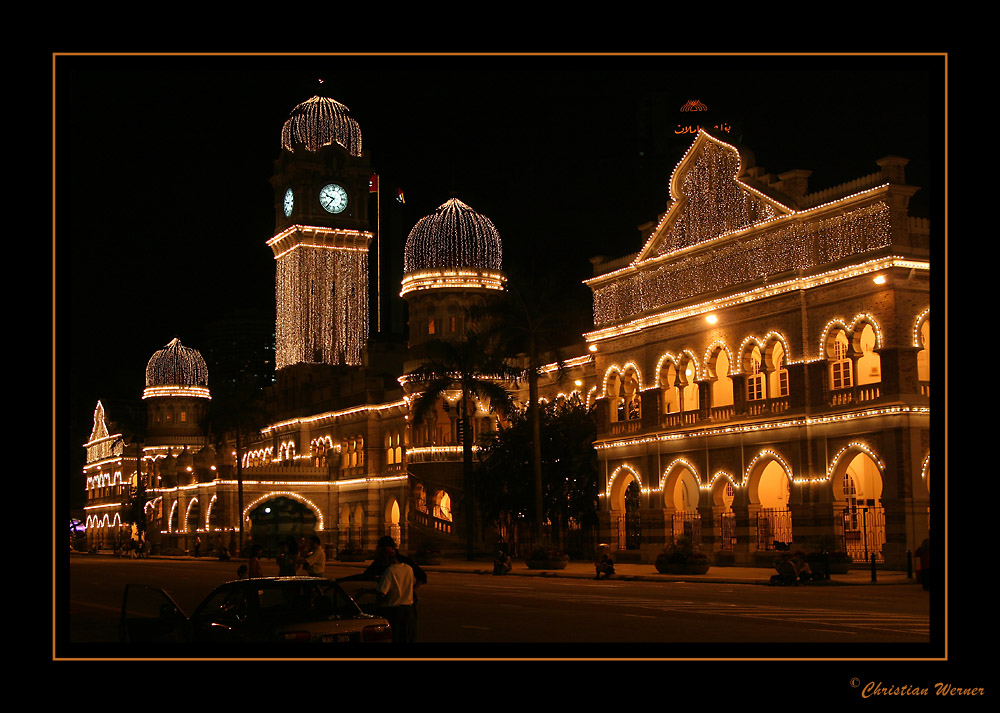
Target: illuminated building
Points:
(759, 369)
(177, 460)
(452, 263)
(761, 366)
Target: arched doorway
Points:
(681, 495)
(860, 491)
(274, 519)
(625, 502)
(771, 490)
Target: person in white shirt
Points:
(395, 592)
(315, 561)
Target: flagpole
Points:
(378, 258)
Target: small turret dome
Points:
(176, 365)
(176, 370)
(319, 122)
(453, 237)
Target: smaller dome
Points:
(176, 365)
(453, 237)
(319, 122)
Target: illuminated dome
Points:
(453, 236)
(320, 122)
(176, 370)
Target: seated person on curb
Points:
(606, 567)
(787, 574)
(802, 569)
(502, 563)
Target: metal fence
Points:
(774, 528)
(863, 532)
(727, 531)
(686, 524)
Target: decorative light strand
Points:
(176, 365)
(794, 247)
(322, 306)
(319, 122)
(453, 236)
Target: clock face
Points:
(333, 198)
(289, 202)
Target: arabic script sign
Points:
(694, 105)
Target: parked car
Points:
(266, 609)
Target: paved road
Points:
(646, 616)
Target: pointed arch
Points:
(291, 496)
(619, 480)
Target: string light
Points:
(321, 293)
(797, 246)
(319, 122)
(453, 236)
(176, 365)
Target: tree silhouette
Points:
(237, 412)
(472, 366)
(532, 323)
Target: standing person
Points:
(385, 553)
(253, 565)
(315, 561)
(288, 558)
(197, 547)
(395, 593)
(924, 558)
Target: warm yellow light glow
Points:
(879, 279)
(455, 279)
(195, 392)
(711, 319)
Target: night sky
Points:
(162, 165)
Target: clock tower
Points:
(321, 237)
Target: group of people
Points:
(793, 569)
(312, 559)
(398, 578)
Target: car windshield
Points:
(307, 599)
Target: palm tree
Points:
(532, 322)
(237, 412)
(133, 419)
(472, 366)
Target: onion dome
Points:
(453, 236)
(321, 122)
(176, 370)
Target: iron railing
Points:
(863, 532)
(774, 528)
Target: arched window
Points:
(689, 387)
(869, 368)
(615, 391)
(722, 385)
(841, 373)
(393, 449)
(756, 390)
(671, 394)
(630, 393)
(924, 355)
(777, 385)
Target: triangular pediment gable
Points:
(100, 429)
(708, 199)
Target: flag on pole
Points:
(399, 195)
(373, 183)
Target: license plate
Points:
(335, 638)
